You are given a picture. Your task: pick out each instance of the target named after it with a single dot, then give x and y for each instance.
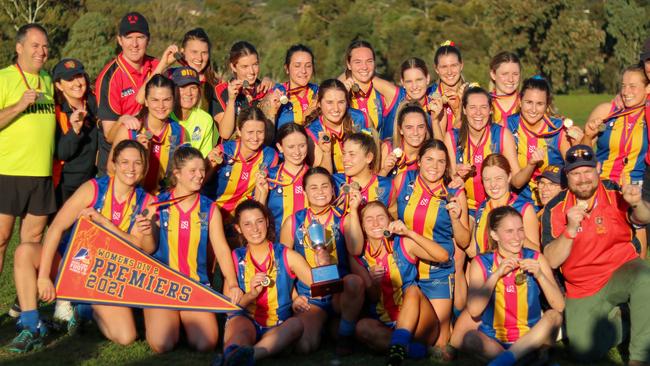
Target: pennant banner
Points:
(99, 267)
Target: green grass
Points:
(578, 106)
(90, 348)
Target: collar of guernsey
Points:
(27, 143)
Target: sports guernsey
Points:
(480, 232)
(318, 125)
(299, 100)
(377, 189)
(286, 194)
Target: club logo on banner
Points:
(101, 268)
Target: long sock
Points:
(506, 358)
(346, 328)
(29, 320)
(85, 311)
(417, 350)
(400, 336)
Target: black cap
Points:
(67, 68)
(645, 53)
(134, 22)
(182, 76)
(580, 155)
(552, 173)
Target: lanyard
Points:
(22, 74)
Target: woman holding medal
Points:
(187, 223)
(298, 94)
(448, 64)
(282, 191)
(621, 137)
(331, 122)
(266, 272)
(425, 202)
(477, 138)
(113, 202)
(344, 237)
(504, 293)
(374, 101)
(541, 140)
(401, 153)
(243, 91)
(158, 133)
(238, 162)
(361, 160)
(496, 176)
(388, 266)
(505, 74)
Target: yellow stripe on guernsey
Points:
(183, 239)
(633, 142)
(396, 283)
(298, 116)
(421, 214)
(268, 298)
(499, 311)
(127, 210)
(370, 107)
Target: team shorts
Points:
(438, 288)
(260, 330)
(27, 195)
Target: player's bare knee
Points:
(353, 284)
(24, 255)
(123, 338)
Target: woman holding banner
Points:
(115, 203)
(188, 222)
(266, 271)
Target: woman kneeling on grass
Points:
(504, 293)
(113, 202)
(266, 272)
(388, 267)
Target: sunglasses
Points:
(579, 155)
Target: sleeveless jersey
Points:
(500, 115)
(317, 126)
(404, 163)
(480, 233)
(122, 214)
(377, 189)
(287, 197)
(294, 110)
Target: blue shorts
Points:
(325, 303)
(438, 288)
(505, 345)
(260, 330)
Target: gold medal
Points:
(284, 99)
(602, 127)
(326, 138)
(398, 152)
(583, 205)
(346, 188)
(520, 278)
(355, 88)
(387, 234)
(568, 123)
(266, 281)
(148, 134)
(355, 185)
(218, 159)
(445, 99)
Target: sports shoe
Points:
(26, 341)
(63, 311)
(14, 311)
(240, 356)
(74, 323)
(396, 355)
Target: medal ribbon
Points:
(22, 74)
(279, 182)
(479, 146)
(128, 74)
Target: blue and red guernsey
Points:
(299, 100)
(423, 209)
(513, 309)
(400, 272)
(184, 236)
(373, 105)
(378, 188)
(480, 232)
(404, 163)
(273, 305)
(286, 194)
(121, 214)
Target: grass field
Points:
(90, 348)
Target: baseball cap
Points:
(67, 68)
(552, 173)
(580, 155)
(133, 22)
(645, 53)
(184, 76)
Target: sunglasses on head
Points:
(579, 154)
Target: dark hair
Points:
(357, 44)
(298, 48)
(248, 114)
(182, 154)
(325, 86)
(315, 171)
(447, 50)
(254, 205)
(435, 144)
(639, 69)
(497, 160)
(291, 127)
(131, 144)
(241, 49)
(539, 83)
(494, 220)
(463, 134)
(414, 63)
(21, 34)
(369, 141)
(157, 81)
(403, 110)
(199, 34)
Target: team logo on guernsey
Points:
(126, 92)
(80, 262)
(196, 134)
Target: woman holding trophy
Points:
(325, 238)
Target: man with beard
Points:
(587, 233)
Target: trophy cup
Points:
(326, 279)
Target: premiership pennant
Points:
(99, 267)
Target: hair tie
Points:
(366, 131)
(473, 84)
(538, 77)
(448, 43)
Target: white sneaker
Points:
(63, 311)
